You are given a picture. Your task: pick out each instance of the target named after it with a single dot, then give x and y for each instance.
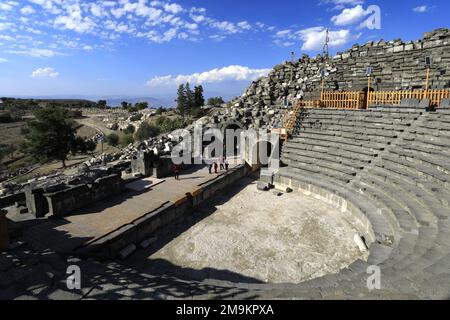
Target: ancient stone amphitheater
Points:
(387, 167)
(390, 164)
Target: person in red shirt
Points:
(176, 170)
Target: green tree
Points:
(112, 139)
(141, 105)
(181, 100)
(190, 98)
(160, 110)
(51, 136)
(125, 105)
(215, 101)
(102, 104)
(130, 129)
(126, 139)
(199, 99)
(146, 131)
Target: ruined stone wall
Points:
(396, 65)
(65, 201)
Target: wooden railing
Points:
(396, 97)
(310, 104)
(357, 100)
(342, 100)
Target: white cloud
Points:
(349, 16)
(97, 10)
(6, 37)
(38, 53)
(8, 5)
(49, 5)
(421, 9)
(5, 25)
(3, 60)
(314, 38)
(27, 10)
(45, 73)
(173, 8)
(74, 20)
(341, 4)
(230, 73)
(217, 37)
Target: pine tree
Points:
(189, 98)
(198, 97)
(181, 100)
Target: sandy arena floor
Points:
(289, 238)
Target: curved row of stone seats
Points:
(409, 185)
(339, 143)
(414, 186)
(406, 105)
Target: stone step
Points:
(362, 150)
(320, 169)
(336, 139)
(440, 162)
(406, 220)
(335, 153)
(414, 169)
(351, 138)
(355, 165)
(326, 164)
(422, 213)
(426, 196)
(422, 148)
(381, 129)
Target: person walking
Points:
(227, 164)
(210, 167)
(221, 161)
(176, 171)
(216, 167)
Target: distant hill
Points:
(113, 101)
(153, 102)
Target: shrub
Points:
(136, 117)
(146, 131)
(5, 118)
(112, 139)
(215, 101)
(74, 114)
(125, 140)
(198, 113)
(166, 124)
(130, 129)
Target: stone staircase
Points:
(392, 164)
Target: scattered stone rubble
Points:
(397, 65)
(122, 121)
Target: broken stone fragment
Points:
(263, 186)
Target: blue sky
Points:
(146, 48)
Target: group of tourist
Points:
(222, 163)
